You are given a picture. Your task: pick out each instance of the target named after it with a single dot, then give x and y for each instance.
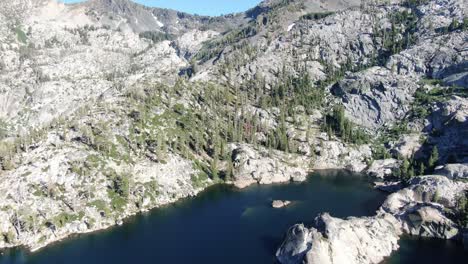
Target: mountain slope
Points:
(109, 108)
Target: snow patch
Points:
(291, 26)
(160, 24)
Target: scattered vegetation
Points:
(456, 25)
(400, 36)
(337, 124)
(21, 35)
(119, 189)
(414, 3)
(213, 48)
(9, 237)
(316, 16)
(63, 218)
(415, 167)
(101, 206)
(461, 210)
(156, 36)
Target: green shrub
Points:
(461, 210)
(9, 237)
(21, 35)
(64, 218)
(337, 123)
(100, 205)
(316, 16)
(3, 129)
(156, 36)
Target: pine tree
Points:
(229, 169)
(214, 169)
(422, 168)
(405, 168)
(411, 172)
(434, 158)
(454, 25)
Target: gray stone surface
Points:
(416, 210)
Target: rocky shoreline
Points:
(417, 210)
(110, 108)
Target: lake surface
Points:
(226, 225)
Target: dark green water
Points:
(225, 225)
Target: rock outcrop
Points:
(376, 97)
(265, 167)
(109, 108)
(416, 210)
(280, 203)
(383, 168)
(454, 171)
(447, 127)
(334, 240)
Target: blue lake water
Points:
(226, 225)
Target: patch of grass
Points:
(118, 202)
(94, 161)
(151, 190)
(100, 205)
(64, 218)
(9, 237)
(119, 189)
(26, 174)
(199, 181)
(39, 192)
(21, 35)
(3, 129)
(45, 169)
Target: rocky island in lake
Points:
(109, 108)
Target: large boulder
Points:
(383, 168)
(296, 244)
(425, 189)
(428, 221)
(334, 240)
(331, 154)
(408, 145)
(454, 171)
(416, 210)
(421, 207)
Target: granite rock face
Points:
(263, 167)
(376, 97)
(383, 168)
(334, 240)
(454, 171)
(416, 210)
(280, 203)
(449, 121)
(90, 92)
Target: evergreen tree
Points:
(229, 169)
(411, 172)
(434, 158)
(214, 169)
(454, 25)
(405, 168)
(422, 168)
